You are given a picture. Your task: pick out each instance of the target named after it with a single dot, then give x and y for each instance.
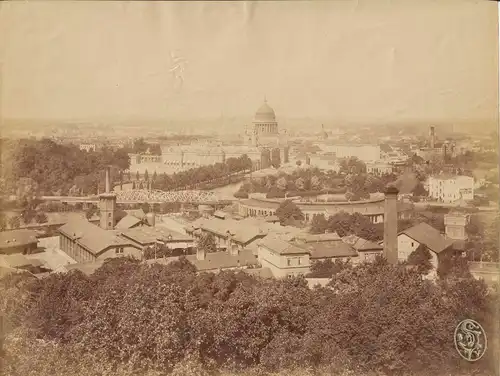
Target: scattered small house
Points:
(283, 258)
(366, 249)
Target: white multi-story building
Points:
(365, 153)
(88, 147)
(379, 168)
(451, 188)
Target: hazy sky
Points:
(365, 60)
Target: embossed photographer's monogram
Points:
(470, 340)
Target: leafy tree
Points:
(41, 217)
(154, 178)
(128, 176)
(240, 194)
(352, 165)
(353, 224)
(319, 224)
(28, 215)
(207, 242)
(281, 183)
(3, 221)
(452, 265)
(288, 211)
(316, 182)
(300, 184)
(137, 177)
(275, 158)
(421, 258)
(327, 268)
(419, 190)
(91, 211)
(146, 208)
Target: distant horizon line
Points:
(366, 122)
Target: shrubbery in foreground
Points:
(131, 318)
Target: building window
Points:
(119, 251)
(289, 262)
(299, 261)
(109, 215)
(412, 244)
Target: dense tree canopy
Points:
(346, 224)
(421, 259)
(373, 318)
(203, 174)
(314, 181)
(288, 211)
(55, 168)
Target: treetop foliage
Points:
(155, 318)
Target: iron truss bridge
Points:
(150, 196)
(144, 195)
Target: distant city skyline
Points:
(345, 61)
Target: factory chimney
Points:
(107, 205)
(391, 225)
(108, 183)
(432, 134)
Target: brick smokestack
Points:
(391, 225)
(432, 134)
(108, 180)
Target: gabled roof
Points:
(240, 231)
(18, 260)
(92, 237)
(360, 244)
(147, 235)
(17, 238)
(282, 247)
(429, 236)
(223, 260)
(328, 237)
(335, 249)
(127, 222)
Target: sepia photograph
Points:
(249, 188)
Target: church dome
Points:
(265, 113)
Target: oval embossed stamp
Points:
(470, 340)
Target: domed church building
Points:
(265, 123)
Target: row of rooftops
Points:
(95, 239)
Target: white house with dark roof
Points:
(422, 233)
(283, 258)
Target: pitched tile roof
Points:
(429, 236)
(330, 250)
(128, 221)
(148, 235)
(92, 237)
(18, 260)
(223, 260)
(360, 244)
(241, 231)
(17, 238)
(281, 247)
(328, 237)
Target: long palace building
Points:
(262, 144)
(372, 208)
